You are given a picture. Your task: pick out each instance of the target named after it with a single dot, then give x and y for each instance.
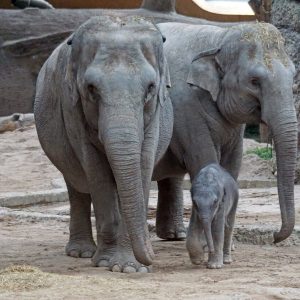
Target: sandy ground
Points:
(25, 167)
(258, 272)
(30, 238)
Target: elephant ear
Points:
(165, 81)
(204, 72)
(71, 77)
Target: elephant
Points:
(104, 118)
(215, 197)
(221, 79)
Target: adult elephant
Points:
(103, 118)
(221, 79)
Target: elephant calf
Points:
(104, 119)
(215, 197)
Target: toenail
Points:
(103, 263)
(129, 269)
(143, 270)
(74, 253)
(116, 268)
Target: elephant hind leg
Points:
(81, 243)
(169, 216)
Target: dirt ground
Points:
(33, 264)
(258, 272)
(32, 248)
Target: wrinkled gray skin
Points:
(215, 197)
(103, 118)
(221, 79)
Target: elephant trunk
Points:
(123, 149)
(283, 126)
(207, 231)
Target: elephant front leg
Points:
(215, 259)
(114, 248)
(81, 243)
(123, 259)
(169, 216)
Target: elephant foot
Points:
(197, 259)
(215, 262)
(82, 248)
(119, 260)
(227, 259)
(171, 232)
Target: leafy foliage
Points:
(264, 153)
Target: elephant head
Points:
(117, 76)
(250, 77)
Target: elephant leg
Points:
(81, 243)
(169, 216)
(215, 260)
(231, 161)
(232, 155)
(195, 241)
(114, 248)
(228, 244)
(123, 259)
(108, 219)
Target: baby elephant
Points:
(215, 197)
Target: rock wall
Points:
(27, 38)
(286, 17)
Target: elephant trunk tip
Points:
(145, 257)
(284, 233)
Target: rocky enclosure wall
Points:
(286, 17)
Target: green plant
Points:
(264, 153)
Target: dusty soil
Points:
(258, 272)
(29, 237)
(25, 167)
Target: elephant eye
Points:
(91, 88)
(215, 201)
(151, 87)
(94, 95)
(150, 92)
(255, 82)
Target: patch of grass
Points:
(264, 153)
(23, 278)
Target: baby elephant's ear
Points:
(204, 73)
